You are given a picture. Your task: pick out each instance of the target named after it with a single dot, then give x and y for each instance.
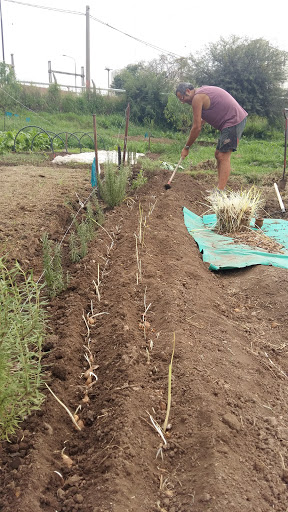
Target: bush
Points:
(139, 181)
(22, 329)
(258, 127)
(179, 116)
(53, 270)
(113, 187)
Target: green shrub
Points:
(113, 186)
(258, 127)
(150, 165)
(98, 212)
(53, 270)
(78, 241)
(178, 115)
(85, 230)
(139, 181)
(22, 329)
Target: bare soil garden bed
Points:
(226, 448)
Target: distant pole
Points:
(69, 57)
(2, 35)
(108, 69)
(88, 47)
(49, 72)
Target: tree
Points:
(174, 70)
(252, 71)
(7, 74)
(9, 87)
(178, 115)
(146, 92)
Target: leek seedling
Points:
(169, 388)
(235, 210)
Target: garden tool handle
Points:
(175, 170)
(285, 147)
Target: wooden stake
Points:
(126, 132)
(95, 146)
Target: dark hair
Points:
(182, 88)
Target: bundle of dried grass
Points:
(235, 210)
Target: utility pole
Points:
(87, 47)
(2, 35)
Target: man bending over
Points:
(217, 107)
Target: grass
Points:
(254, 159)
(258, 157)
(25, 158)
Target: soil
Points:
(226, 444)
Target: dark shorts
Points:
(229, 137)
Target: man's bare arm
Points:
(197, 104)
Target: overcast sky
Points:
(36, 36)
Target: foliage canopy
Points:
(253, 71)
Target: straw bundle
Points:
(235, 210)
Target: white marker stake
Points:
(279, 198)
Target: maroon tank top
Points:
(224, 110)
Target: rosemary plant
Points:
(22, 330)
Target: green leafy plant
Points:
(53, 269)
(83, 232)
(99, 214)
(22, 330)
(90, 220)
(139, 181)
(74, 248)
(113, 186)
(78, 241)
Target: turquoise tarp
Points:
(221, 251)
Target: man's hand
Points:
(184, 152)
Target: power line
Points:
(45, 7)
(102, 23)
(136, 38)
